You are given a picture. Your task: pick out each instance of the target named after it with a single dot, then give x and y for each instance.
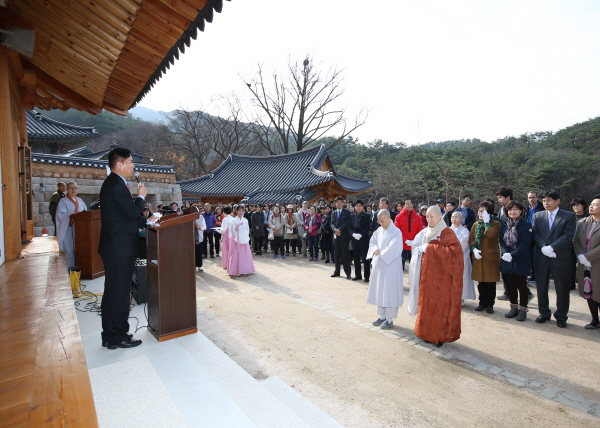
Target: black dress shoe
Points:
(127, 343)
(490, 309)
(104, 341)
(439, 344)
(212, 257)
(541, 319)
(348, 276)
(357, 278)
(561, 323)
(335, 274)
(480, 308)
(366, 280)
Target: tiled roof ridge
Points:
(266, 158)
(56, 122)
(73, 160)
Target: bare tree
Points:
(297, 108)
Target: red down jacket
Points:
(410, 224)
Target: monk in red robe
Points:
(436, 281)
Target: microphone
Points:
(137, 176)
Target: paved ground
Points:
(291, 320)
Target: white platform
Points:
(184, 382)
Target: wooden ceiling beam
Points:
(158, 52)
(116, 110)
(51, 28)
(150, 41)
(129, 62)
(102, 28)
(159, 23)
(98, 12)
(153, 33)
(50, 84)
(190, 11)
(14, 62)
(115, 9)
(139, 55)
(167, 13)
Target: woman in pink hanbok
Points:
(225, 239)
(240, 254)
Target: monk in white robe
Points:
(386, 289)
(436, 281)
(67, 206)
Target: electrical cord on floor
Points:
(137, 326)
(86, 301)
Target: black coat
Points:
(258, 219)
(375, 223)
(362, 226)
(521, 254)
(120, 219)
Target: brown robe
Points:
(440, 290)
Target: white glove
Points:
(357, 236)
(507, 257)
(547, 251)
(409, 242)
(477, 253)
(422, 248)
(485, 216)
(584, 261)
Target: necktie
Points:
(550, 220)
(339, 212)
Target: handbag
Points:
(271, 235)
(295, 231)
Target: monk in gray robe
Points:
(386, 289)
(67, 206)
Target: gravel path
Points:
(290, 319)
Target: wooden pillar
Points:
(10, 101)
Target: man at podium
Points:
(119, 247)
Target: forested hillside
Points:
(568, 160)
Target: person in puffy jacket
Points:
(409, 223)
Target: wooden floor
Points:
(44, 379)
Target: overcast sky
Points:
(427, 70)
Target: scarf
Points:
(510, 236)
(480, 233)
(76, 203)
(290, 216)
(432, 232)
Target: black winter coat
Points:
(521, 255)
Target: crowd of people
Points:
(519, 244)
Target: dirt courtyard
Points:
(291, 320)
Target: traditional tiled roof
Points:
(87, 153)
(271, 178)
(76, 161)
(41, 129)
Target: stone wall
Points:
(162, 188)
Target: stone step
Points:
(261, 406)
(308, 412)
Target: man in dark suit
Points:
(121, 217)
(553, 232)
(384, 204)
(361, 223)
(341, 225)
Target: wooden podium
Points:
(171, 277)
(87, 237)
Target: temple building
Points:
(300, 176)
(83, 165)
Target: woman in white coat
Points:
(462, 233)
